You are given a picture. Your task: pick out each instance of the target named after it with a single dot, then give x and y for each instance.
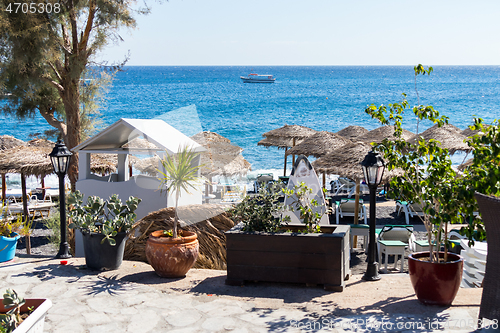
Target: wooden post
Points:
(4, 188)
(356, 211)
(284, 169)
(25, 211)
(293, 156)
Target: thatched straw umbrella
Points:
(148, 165)
(288, 132)
(468, 132)
(208, 221)
(346, 161)
(352, 132)
(281, 143)
(449, 136)
(27, 160)
(319, 144)
(379, 134)
(465, 165)
(208, 136)
(221, 157)
(7, 142)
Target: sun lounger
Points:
(410, 209)
(393, 240)
(346, 207)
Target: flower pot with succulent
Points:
(428, 180)
(19, 315)
(104, 226)
(173, 252)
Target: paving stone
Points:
(219, 324)
(145, 321)
(179, 318)
(96, 318)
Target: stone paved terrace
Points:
(134, 299)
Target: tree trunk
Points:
(71, 100)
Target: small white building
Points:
(111, 140)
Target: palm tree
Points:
(181, 174)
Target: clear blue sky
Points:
(314, 32)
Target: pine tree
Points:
(47, 49)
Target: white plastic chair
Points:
(393, 240)
(346, 208)
(410, 210)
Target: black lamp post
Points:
(373, 170)
(60, 157)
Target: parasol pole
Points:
(356, 210)
(324, 180)
(4, 188)
(25, 211)
(293, 156)
(284, 169)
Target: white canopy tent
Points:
(111, 141)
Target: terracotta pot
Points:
(435, 283)
(172, 257)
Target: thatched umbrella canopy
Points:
(284, 135)
(148, 165)
(468, 132)
(464, 165)
(318, 144)
(449, 136)
(8, 141)
(352, 132)
(379, 134)
(221, 157)
(290, 132)
(344, 161)
(278, 142)
(103, 163)
(208, 136)
(139, 143)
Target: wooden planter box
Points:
(321, 258)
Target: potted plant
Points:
(259, 248)
(18, 315)
(104, 226)
(428, 180)
(10, 230)
(173, 252)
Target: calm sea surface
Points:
(323, 98)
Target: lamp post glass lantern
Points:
(373, 170)
(60, 157)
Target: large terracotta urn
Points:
(172, 257)
(435, 283)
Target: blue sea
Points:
(323, 98)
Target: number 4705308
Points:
(32, 8)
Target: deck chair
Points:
(393, 240)
(342, 186)
(345, 207)
(410, 209)
(263, 180)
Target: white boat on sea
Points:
(257, 78)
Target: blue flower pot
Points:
(8, 247)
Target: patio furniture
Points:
(393, 240)
(360, 230)
(490, 301)
(410, 209)
(345, 207)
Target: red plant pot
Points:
(435, 283)
(172, 257)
